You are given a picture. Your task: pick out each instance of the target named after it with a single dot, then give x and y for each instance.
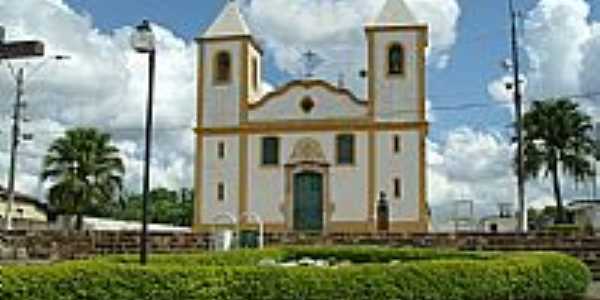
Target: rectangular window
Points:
(397, 144)
(221, 191)
(345, 149)
(397, 188)
(270, 151)
(221, 150)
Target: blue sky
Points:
(475, 59)
(482, 43)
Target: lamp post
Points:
(143, 41)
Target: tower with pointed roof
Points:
(229, 71)
(397, 45)
(229, 77)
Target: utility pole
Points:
(14, 145)
(522, 222)
(16, 50)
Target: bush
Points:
(421, 275)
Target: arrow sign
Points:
(24, 49)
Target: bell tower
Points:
(397, 45)
(229, 70)
(396, 64)
(228, 78)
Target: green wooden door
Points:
(308, 202)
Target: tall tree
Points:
(165, 206)
(85, 170)
(557, 136)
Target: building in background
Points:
(66, 222)
(312, 156)
(504, 222)
(27, 211)
(585, 213)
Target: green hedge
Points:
(461, 276)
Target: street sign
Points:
(16, 50)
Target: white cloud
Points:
(555, 32)
(103, 85)
(562, 45)
(334, 30)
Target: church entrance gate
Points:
(308, 201)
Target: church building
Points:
(312, 156)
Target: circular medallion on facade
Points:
(307, 104)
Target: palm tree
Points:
(558, 135)
(85, 170)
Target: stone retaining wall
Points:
(56, 245)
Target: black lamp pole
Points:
(146, 188)
(143, 42)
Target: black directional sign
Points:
(16, 50)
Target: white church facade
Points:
(310, 155)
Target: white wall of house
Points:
(222, 101)
(404, 166)
(327, 105)
(217, 171)
(397, 96)
(24, 210)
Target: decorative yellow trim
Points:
(422, 83)
(351, 227)
(243, 138)
(372, 180)
(313, 126)
(244, 78)
(423, 211)
(198, 172)
(230, 38)
(306, 84)
(371, 73)
(384, 28)
(243, 178)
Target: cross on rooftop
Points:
(311, 61)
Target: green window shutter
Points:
(345, 149)
(270, 151)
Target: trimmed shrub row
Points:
(533, 276)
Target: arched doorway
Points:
(308, 201)
(307, 205)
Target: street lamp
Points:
(143, 41)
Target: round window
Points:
(307, 104)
